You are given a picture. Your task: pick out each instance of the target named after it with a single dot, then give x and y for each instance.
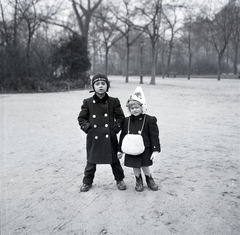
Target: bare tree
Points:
(107, 24)
(162, 51)
(189, 35)
(235, 39)
(84, 12)
(127, 28)
(217, 28)
(171, 17)
(33, 15)
(152, 13)
(187, 39)
(95, 44)
(9, 30)
(11, 22)
(24, 18)
(119, 49)
(10, 38)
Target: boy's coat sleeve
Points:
(83, 117)
(119, 116)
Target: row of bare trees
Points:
(173, 29)
(175, 36)
(170, 29)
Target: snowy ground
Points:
(43, 158)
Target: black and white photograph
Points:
(119, 117)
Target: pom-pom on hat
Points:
(138, 96)
(100, 77)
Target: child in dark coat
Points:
(101, 118)
(138, 121)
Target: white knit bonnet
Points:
(139, 96)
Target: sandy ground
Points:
(198, 171)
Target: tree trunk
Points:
(235, 61)
(15, 25)
(85, 19)
(163, 62)
(106, 61)
(127, 63)
(28, 57)
(94, 57)
(169, 56)
(153, 59)
(189, 65)
(163, 69)
(219, 67)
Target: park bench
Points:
(174, 74)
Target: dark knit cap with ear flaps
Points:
(100, 77)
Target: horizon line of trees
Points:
(41, 43)
(173, 37)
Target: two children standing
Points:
(102, 118)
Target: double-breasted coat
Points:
(150, 134)
(101, 120)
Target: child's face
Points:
(135, 109)
(100, 87)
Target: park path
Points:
(198, 171)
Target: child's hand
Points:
(120, 154)
(154, 155)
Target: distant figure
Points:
(101, 118)
(146, 126)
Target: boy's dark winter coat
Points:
(101, 119)
(150, 136)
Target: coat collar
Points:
(139, 117)
(103, 100)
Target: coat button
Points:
(107, 135)
(105, 115)
(106, 125)
(94, 101)
(95, 126)
(139, 132)
(94, 116)
(96, 137)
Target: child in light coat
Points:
(138, 121)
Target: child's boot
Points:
(139, 183)
(85, 187)
(121, 185)
(151, 184)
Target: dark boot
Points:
(85, 187)
(139, 183)
(121, 185)
(151, 184)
